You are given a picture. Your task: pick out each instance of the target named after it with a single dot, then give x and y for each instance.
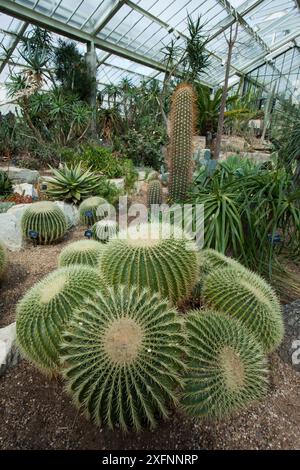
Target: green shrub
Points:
(246, 296)
(5, 184)
(164, 265)
(72, 183)
(46, 219)
(226, 366)
(3, 259)
(104, 230)
(81, 252)
(92, 205)
(45, 310)
(122, 356)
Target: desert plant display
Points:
(157, 257)
(81, 252)
(122, 358)
(226, 367)
(46, 220)
(248, 297)
(45, 310)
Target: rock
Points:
(21, 175)
(10, 231)
(26, 189)
(71, 212)
(289, 350)
(9, 353)
(18, 210)
(119, 182)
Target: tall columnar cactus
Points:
(123, 358)
(3, 259)
(93, 205)
(47, 307)
(180, 152)
(46, 219)
(226, 366)
(154, 193)
(104, 230)
(81, 252)
(246, 296)
(152, 258)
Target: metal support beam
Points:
(13, 46)
(103, 21)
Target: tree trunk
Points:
(230, 42)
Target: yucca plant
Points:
(3, 259)
(122, 354)
(45, 219)
(46, 309)
(226, 367)
(81, 252)
(5, 184)
(155, 257)
(90, 210)
(72, 183)
(244, 295)
(104, 230)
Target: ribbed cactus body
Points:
(46, 219)
(182, 121)
(226, 366)
(93, 205)
(81, 252)
(47, 307)
(104, 230)
(3, 259)
(123, 358)
(154, 193)
(246, 296)
(163, 265)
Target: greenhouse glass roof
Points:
(130, 36)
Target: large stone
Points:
(26, 189)
(9, 353)
(289, 350)
(21, 175)
(119, 182)
(10, 231)
(18, 210)
(71, 212)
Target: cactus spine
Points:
(182, 122)
(227, 369)
(123, 358)
(154, 193)
(46, 219)
(81, 252)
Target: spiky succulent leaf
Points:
(122, 353)
(246, 296)
(45, 218)
(47, 307)
(3, 259)
(181, 141)
(163, 265)
(154, 193)
(227, 369)
(81, 252)
(93, 205)
(104, 230)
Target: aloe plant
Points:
(72, 183)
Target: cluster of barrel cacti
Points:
(110, 325)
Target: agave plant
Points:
(72, 183)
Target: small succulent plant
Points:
(81, 252)
(72, 183)
(227, 369)
(246, 296)
(122, 355)
(155, 257)
(46, 309)
(104, 230)
(3, 259)
(90, 210)
(45, 219)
